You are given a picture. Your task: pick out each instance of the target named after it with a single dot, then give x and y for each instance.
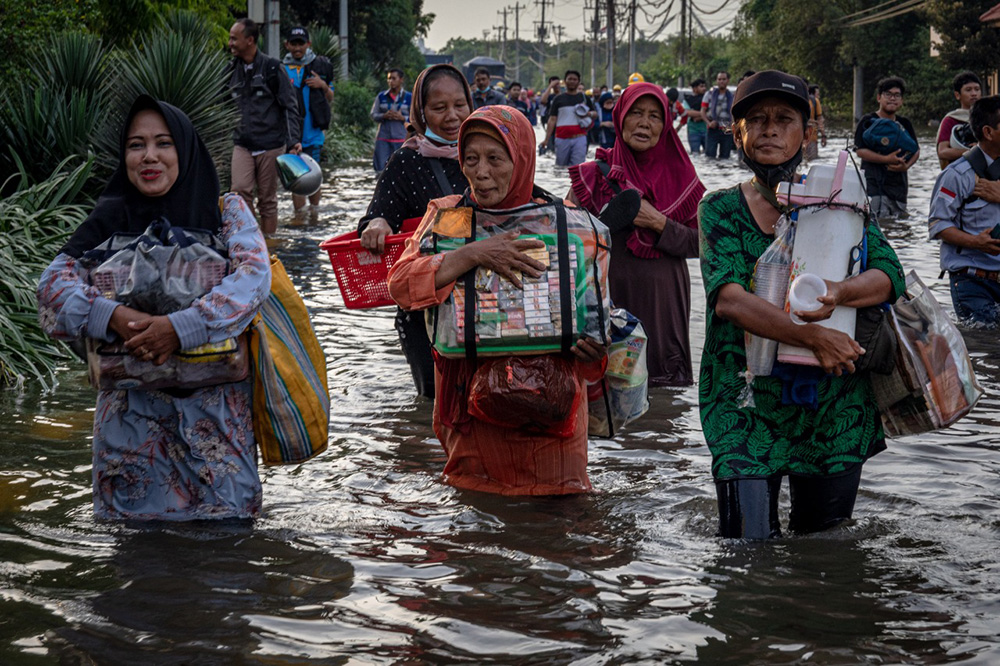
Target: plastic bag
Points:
(771, 276)
(159, 272)
(163, 270)
(623, 394)
(627, 351)
(539, 394)
(569, 300)
(111, 367)
(933, 384)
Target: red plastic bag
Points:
(539, 394)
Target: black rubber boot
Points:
(748, 508)
(819, 503)
(417, 350)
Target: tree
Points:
(966, 44)
(381, 33)
(818, 42)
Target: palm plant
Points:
(34, 223)
(325, 42)
(189, 75)
(55, 113)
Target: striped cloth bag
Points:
(291, 405)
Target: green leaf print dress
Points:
(773, 438)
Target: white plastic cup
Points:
(804, 293)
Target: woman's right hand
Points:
(835, 351)
(373, 237)
(120, 319)
(504, 255)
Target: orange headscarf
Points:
(517, 136)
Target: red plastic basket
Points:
(362, 275)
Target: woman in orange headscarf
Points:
(497, 154)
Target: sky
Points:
(468, 18)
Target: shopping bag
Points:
(291, 404)
(933, 384)
(622, 395)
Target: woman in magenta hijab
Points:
(648, 274)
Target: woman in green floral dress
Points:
(820, 447)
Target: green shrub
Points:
(34, 224)
(346, 144)
(352, 104)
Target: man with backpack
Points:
(965, 217)
(887, 145)
(269, 121)
(311, 75)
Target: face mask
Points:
(772, 174)
(436, 138)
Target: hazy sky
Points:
(468, 18)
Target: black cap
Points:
(297, 34)
(768, 83)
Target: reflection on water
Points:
(365, 557)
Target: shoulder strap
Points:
(605, 171)
(977, 159)
(442, 179)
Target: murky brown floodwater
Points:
(365, 557)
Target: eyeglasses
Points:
(892, 95)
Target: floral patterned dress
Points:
(773, 438)
(157, 455)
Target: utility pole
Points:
(631, 38)
(267, 14)
(683, 37)
(611, 43)
(489, 44)
(517, 39)
(343, 41)
(503, 42)
(542, 31)
(595, 32)
(558, 29)
(272, 41)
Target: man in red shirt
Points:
(968, 88)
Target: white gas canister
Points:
(824, 238)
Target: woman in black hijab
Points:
(171, 455)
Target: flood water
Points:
(365, 557)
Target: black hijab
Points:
(192, 202)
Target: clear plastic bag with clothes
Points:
(933, 384)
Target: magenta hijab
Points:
(664, 174)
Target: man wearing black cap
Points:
(269, 121)
(311, 75)
(815, 425)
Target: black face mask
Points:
(772, 174)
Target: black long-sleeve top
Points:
(406, 186)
